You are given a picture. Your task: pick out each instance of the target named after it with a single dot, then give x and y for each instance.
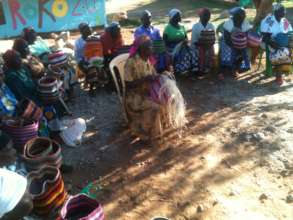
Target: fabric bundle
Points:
(57, 58)
(48, 90)
(82, 207)
(93, 50)
(239, 40)
(40, 152)
(159, 46)
(280, 57)
(207, 37)
(8, 101)
(12, 189)
(46, 187)
(164, 91)
(253, 39)
(21, 132)
(27, 109)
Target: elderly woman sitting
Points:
(233, 46)
(18, 77)
(35, 66)
(175, 36)
(275, 28)
(150, 108)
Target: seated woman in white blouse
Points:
(272, 26)
(232, 59)
(204, 44)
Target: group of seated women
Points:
(198, 56)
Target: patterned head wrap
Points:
(19, 44)
(82, 26)
(277, 6)
(138, 43)
(174, 12)
(203, 11)
(146, 13)
(9, 56)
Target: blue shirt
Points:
(79, 49)
(151, 31)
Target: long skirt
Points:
(185, 60)
(206, 58)
(144, 115)
(235, 60)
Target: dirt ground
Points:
(234, 159)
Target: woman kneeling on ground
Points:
(185, 60)
(275, 28)
(150, 110)
(233, 46)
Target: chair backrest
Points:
(119, 63)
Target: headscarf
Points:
(112, 26)
(26, 31)
(174, 12)
(137, 44)
(146, 13)
(9, 56)
(277, 6)
(236, 10)
(82, 26)
(203, 11)
(19, 44)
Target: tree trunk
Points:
(263, 8)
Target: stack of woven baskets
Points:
(21, 131)
(40, 152)
(47, 189)
(48, 90)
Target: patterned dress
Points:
(143, 114)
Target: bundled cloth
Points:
(165, 92)
(8, 101)
(82, 207)
(12, 189)
(47, 189)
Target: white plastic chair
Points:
(119, 63)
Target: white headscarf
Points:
(277, 6)
(174, 12)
